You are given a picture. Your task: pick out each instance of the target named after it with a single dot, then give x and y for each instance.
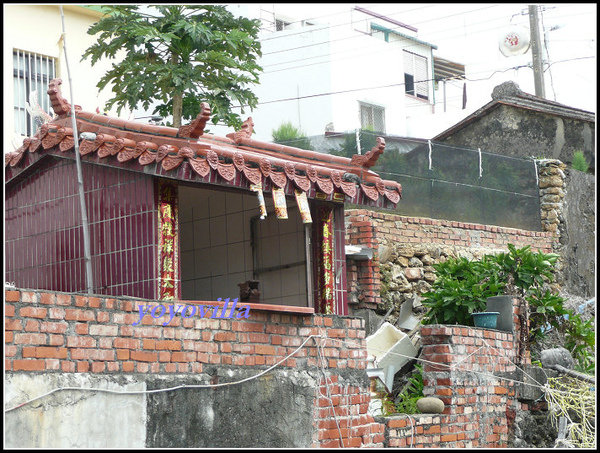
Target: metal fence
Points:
(446, 182)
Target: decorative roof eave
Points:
(187, 154)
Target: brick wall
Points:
(416, 236)
(51, 332)
(472, 371)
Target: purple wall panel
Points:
(44, 239)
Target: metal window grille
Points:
(415, 75)
(31, 73)
(372, 117)
(281, 24)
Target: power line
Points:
(331, 93)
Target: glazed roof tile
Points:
(187, 154)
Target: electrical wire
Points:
(144, 392)
(321, 356)
(440, 366)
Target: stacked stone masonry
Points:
(406, 248)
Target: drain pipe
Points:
(84, 219)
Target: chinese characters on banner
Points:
(325, 267)
(168, 265)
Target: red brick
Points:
(56, 340)
(9, 310)
(126, 343)
(32, 326)
(110, 331)
(28, 352)
(67, 367)
(74, 314)
(29, 365)
(53, 327)
(48, 298)
(98, 367)
(63, 299)
(33, 312)
(81, 342)
(142, 356)
(449, 438)
(56, 313)
(29, 297)
(128, 367)
(82, 329)
(83, 367)
(12, 296)
(51, 353)
(8, 337)
(122, 354)
(12, 324)
(30, 338)
(183, 357)
(169, 345)
(225, 336)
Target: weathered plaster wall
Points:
(517, 132)
(71, 418)
(579, 236)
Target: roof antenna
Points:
(84, 219)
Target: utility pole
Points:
(536, 50)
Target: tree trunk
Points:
(177, 98)
(177, 109)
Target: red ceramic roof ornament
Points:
(120, 142)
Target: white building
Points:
(348, 70)
(34, 53)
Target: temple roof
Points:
(187, 154)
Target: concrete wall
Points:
(38, 29)
(518, 132)
(579, 236)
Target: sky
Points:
(469, 34)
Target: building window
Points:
(281, 24)
(415, 75)
(32, 74)
(372, 117)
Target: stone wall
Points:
(405, 249)
(522, 132)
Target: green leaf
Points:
(200, 50)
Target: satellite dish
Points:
(514, 41)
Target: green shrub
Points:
(407, 400)
(289, 135)
(579, 162)
(462, 287)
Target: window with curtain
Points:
(415, 75)
(32, 74)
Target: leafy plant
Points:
(462, 287)
(407, 400)
(179, 55)
(288, 134)
(581, 341)
(579, 162)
